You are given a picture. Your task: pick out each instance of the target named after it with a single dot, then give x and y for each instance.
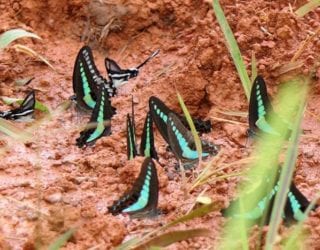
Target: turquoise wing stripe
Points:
(147, 150)
(143, 197)
(297, 213)
(100, 120)
(86, 88)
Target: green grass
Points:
(11, 35)
(305, 9)
(233, 48)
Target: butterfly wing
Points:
(296, 204)
(159, 112)
(86, 79)
(100, 121)
(259, 106)
(143, 197)
(117, 75)
(131, 141)
(25, 110)
(147, 148)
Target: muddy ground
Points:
(73, 187)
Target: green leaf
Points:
(9, 36)
(232, 47)
(39, 105)
(167, 239)
(61, 240)
(305, 9)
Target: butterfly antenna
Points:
(149, 58)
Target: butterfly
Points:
(160, 111)
(147, 148)
(295, 206)
(24, 112)
(100, 121)
(142, 199)
(87, 79)
(260, 110)
(182, 143)
(120, 76)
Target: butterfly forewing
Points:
(101, 116)
(143, 197)
(259, 105)
(131, 141)
(159, 112)
(147, 148)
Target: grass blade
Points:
(169, 238)
(14, 132)
(61, 240)
(254, 70)
(286, 173)
(32, 53)
(233, 47)
(9, 36)
(305, 9)
(191, 125)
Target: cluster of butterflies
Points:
(93, 92)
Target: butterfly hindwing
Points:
(147, 148)
(143, 197)
(100, 121)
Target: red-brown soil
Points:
(73, 187)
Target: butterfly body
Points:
(143, 197)
(24, 112)
(120, 76)
(101, 117)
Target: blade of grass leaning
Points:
(199, 212)
(32, 53)
(233, 113)
(169, 238)
(287, 171)
(265, 167)
(305, 9)
(62, 239)
(9, 36)
(293, 237)
(38, 105)
(14, 132)
(233, 47)
(191, 125)
(254, 70)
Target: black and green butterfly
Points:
(182, 143)
(201, 126)
(147, 148)
(24, 112)
(87, 79)
(260, 110)
(120, 76)
(142, 199)
(176, 134)
(100, 121)
(295, 206)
